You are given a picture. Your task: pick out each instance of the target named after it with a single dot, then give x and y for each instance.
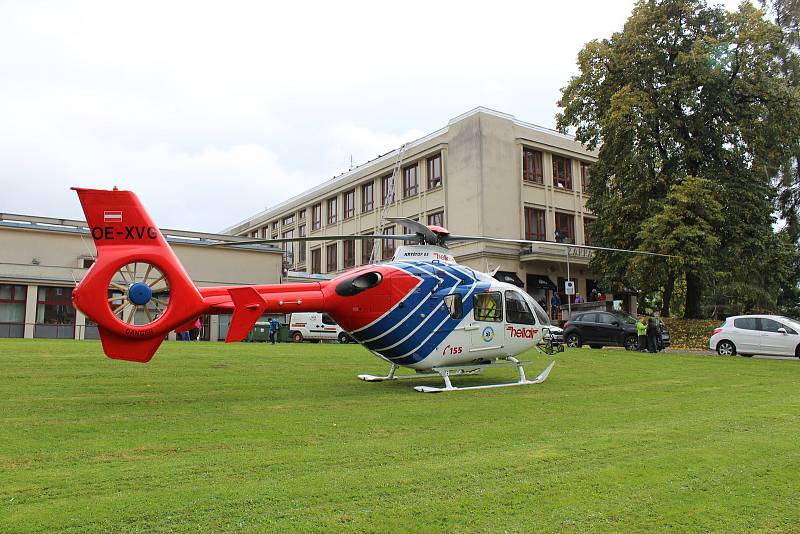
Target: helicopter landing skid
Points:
(471, 370)
(446, 372)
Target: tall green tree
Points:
(685, 90)
(683, 226)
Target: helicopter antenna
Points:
(376, 244)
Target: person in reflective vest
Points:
(641, 331)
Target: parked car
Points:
(757, 334)
(599, 329)
(315, 327)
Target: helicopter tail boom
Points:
(137, 291)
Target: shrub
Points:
(690, 334)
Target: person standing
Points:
(641, 330)
(194, 332)
(652, 332)
(274, 326)
(555, 304)
(593, 295)
(578, 298)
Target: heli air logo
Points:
(112, 216)
(488, 334)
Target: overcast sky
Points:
(213, 111)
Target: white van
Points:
(315, 326)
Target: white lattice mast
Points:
(377, 243)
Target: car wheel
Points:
(343, 338)
(596, 346)
(573, 340)
(297, 337)
(726, 348)
(631, 343)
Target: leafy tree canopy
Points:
(685, 92)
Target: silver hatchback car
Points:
(757, 334)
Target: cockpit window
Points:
(488, 307)
(454, 305)
(541, 315)
(517, 310)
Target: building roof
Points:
(70, 226)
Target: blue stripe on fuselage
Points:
(418, 347)
(399, 312)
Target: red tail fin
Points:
(137, 291)
(248, 307)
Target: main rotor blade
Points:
(453, 237)
(404, 237)
(417, 227)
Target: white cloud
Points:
(212, 111)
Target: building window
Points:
(349, 250)
(332, 210)
(584, 175)
(366, 250)
(385, 186)
(562, 172)
(288, 220)
(388, 245)
(532, 166)
(436, 219)
(331, 265)
(435, 171)
(316, 216)
(534, 224)
(301, 245)
(367, 197)
(349, 203)
(587, 236)
(565, 228)
(316, 260)
(275, 226)
(301, 214)
(410, 181)
(12, 310)
(55, 315)
(265, 232)
(288, 247)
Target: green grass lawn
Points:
(285, 438)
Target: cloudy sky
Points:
(212, 111)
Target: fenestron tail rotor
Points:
(139, 293)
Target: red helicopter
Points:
(420, 310)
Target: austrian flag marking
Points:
(112, 216)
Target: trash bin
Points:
(283, 334)
(260, 332)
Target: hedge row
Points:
(691, 334)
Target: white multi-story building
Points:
(485, 173)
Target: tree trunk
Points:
(667, 298)
(692, 296)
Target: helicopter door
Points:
(521, 330)
(487, 324)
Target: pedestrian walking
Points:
(274, 326)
